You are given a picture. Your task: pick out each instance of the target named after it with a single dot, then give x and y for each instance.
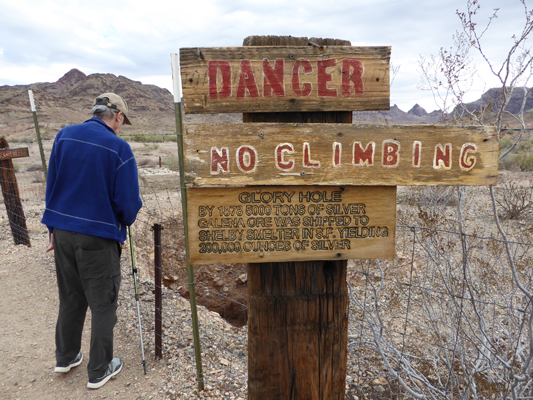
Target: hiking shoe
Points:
(114, 368)
(63, 368)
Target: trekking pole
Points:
(134, 270)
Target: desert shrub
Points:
(157, 138)
(172, 162)
(524, 160)
(431, 196)
(24, 139)
(514, 200)
(150, 147)
(47, 134)
(147, 162)
(34, 167)
(507, 163)
(139, 138)
(38, 177)
(505, 143)
(149, 138)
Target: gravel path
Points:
(28, 311)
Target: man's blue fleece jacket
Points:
(92, 185)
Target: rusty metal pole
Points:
(158, 299)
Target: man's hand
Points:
(51, 237)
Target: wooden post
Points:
(297, 311)
(10, 192)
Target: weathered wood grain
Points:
(8, 154)
(297, 331)
(328, 154)
(311, 79)
(10, 193)
(290, 223)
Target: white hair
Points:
(102, 111)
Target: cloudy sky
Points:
(41, 40)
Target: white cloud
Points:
(135, 38)
(32, 73)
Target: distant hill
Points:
(69, 100)
(416, 115)
(492, 100)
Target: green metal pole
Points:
(39, 141)
(190, 270)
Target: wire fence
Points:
(450, 317)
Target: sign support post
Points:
(297, 311)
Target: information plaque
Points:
(273, 224)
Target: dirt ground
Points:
(29, 305)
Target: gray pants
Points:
(88, 275)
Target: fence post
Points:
(39, 141)
(10, 193)
(190, 271)
(158, 300)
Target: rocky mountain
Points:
(69, 101)
(417, 111)
(416, 115)
(492, 100)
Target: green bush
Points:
(507, 163)
(139, 138)
(172, 162)
(148, 138)
(524, 160)
(505, 143)
(150, 147)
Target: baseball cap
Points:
(116, 102)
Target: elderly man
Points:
(92, 195)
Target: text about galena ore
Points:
(286, 221)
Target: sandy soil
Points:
(29, 306)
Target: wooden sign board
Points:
(9, 154)
(297, 223)
(339, 154)
(285, 79)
